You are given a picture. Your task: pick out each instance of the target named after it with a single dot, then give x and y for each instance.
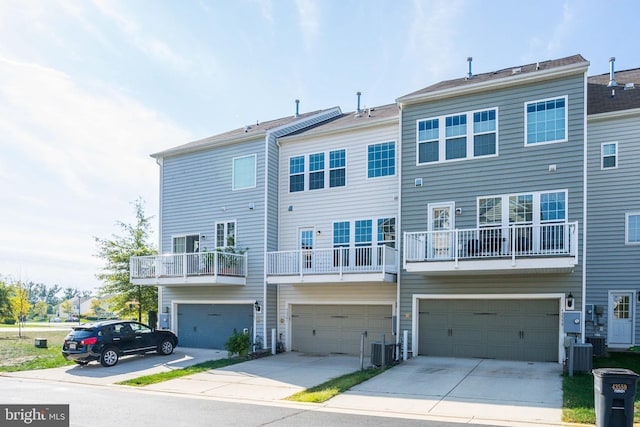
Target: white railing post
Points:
(455, 247)
(384, 259)
(513, 246)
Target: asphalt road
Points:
(116, 406)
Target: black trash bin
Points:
(614, 391)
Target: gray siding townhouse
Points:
(492, 209)
(613, 208)
(337, 260)
(218, 218)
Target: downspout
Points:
(160, 162)
(584, 212)
(399, 228)
(265, 308)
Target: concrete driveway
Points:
(463, 390)
(474, 391)
(128, 367)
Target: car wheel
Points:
(109, 357)
(166, 347)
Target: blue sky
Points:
(88, 89)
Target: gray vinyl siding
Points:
(516, 169)
(611, 264)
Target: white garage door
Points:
(495, 329)
(328, 329)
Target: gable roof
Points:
(599, 96)
(511, 75)
(246, 133)
(351, 120)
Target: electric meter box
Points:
(572, 322)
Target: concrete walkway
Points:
(471, 391)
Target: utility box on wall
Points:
(572, 322)
(164, 321)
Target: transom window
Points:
(296, 174)
(609, 155)
(632, 235)
(244, 172)
(316, 171)
(381, 159)
(546, 121)
(457, 139)
(225, 234)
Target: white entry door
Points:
(441, 225)
(621, 319)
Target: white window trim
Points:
(305, 174)
(327, 170)
(536, 207)
(566, 122)
(615, 143)
(374, 229)
(185, 235)
(626, 227)
(226, 234)
(442, 137)
(233, 172)
(395, 159)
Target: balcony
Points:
(334, 265)
(204, 268)
(546, 248)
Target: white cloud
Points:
(308, 17)
(73, 158)
(266, 9)
(150, 46)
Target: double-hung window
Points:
(428, 140)
(381, 159)
(465, 135)
(546, 121)
(244, 172)
(632, 234)
(296, 174)
(316, 171)
(337, 168)
(609, 155)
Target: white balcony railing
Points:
(513, 241)
(188, 265)
(338, 261)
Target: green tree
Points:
(66, 307)
(116, 252)
(40, 309)
(20, 304)
(6, 310)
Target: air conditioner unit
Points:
(376, 354)
(582, 357)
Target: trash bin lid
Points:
(603, 372)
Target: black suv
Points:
(107, 341)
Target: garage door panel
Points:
(211, 325)
(501, 329)
(338, 328)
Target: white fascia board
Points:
(621, 114)
(206, 143)
(514, 80)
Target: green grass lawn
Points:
(328, 389)
(578, 398)
(21, 354)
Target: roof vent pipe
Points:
(469, 74)
(612, 78)
(297, 108)
(358, 94)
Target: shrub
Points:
(238, 343)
